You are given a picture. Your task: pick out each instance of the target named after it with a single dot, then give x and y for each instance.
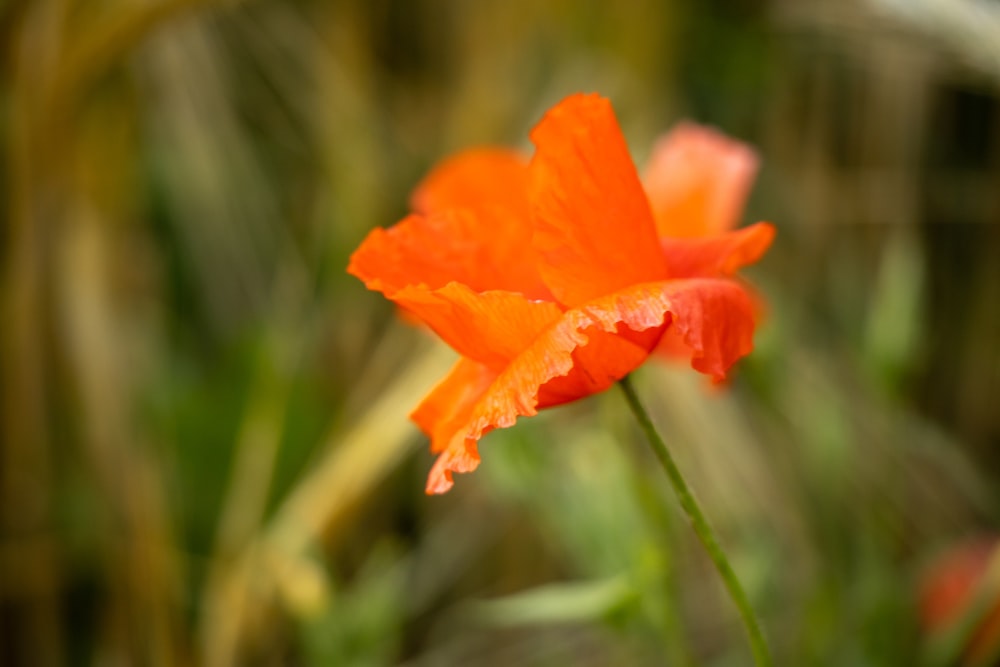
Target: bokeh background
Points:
(206, 458)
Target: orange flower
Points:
(959, 601)
(555, 278)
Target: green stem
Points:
(758, 645)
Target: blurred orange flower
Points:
(959, 600)
(556, 277)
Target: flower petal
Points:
(594, 232)
(605, 359)
(494, 236)
(717, 254)
(477, 179)
(697, 181)
(484, 249)
(488, 327)
(442, 414)
(712, 317)
(420, 264)
(450, 403)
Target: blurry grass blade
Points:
(256, 448)
(243, 507)
(353, 464)
(558, 603)
(357, 460)
(100, 48)
(302, 584)
(894, 316)
(140, 563)
(222, 204)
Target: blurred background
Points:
(205, 454)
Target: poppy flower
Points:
(555, 277)
(959, 603)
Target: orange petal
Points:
(492, 183)
(443, 413)
(450, 403)
(718, 254)
(489, 327)
(479, 178)
(697, 181)
(482, 249)
(594, 232)
(713, 318)
(605, 359)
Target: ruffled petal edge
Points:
(714, 318)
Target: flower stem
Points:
(758, 645)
